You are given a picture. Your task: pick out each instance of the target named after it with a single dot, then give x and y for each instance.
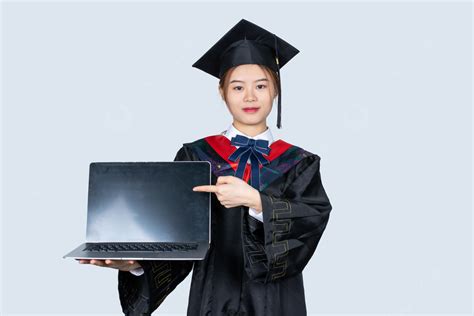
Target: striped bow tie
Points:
(253, 149)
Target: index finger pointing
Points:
(205, 188)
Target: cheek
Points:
(233, 104)
(233, 99)
(234, 95)
(265, 94)
(266, 98)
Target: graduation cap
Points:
(247, 43)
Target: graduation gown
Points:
(252, 267)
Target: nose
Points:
(249, 96)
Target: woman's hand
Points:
(232, 191)
(122, 265)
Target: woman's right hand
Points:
(122, 265)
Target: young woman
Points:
(269, 207)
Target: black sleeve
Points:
(141, 295)
(293, 224)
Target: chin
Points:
(256, 122)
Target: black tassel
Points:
(279, 83)
(279, 102)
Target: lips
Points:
(250, 109)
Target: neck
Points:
(251, 130)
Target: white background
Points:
(380, 90)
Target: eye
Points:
(238, 88)
(262, 85)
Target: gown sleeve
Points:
(293, 223)
(141, 295)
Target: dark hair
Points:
(224, 82)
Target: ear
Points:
(221, 92)
(273, 92)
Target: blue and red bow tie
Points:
(253, 149)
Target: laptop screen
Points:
(148, 201)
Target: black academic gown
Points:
(251, 268)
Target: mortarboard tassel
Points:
(279, 83)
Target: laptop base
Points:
(196, 254)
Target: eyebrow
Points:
(263, 79)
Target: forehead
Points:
(247, 72)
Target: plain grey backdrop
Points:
(382, 91)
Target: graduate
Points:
(268, 209)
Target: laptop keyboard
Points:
(153, 247)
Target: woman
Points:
(269, 208)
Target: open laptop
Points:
(147, 211)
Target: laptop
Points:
(147, 211)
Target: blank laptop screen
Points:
(148, 201)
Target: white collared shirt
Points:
(229, 133)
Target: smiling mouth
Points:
(250, 110)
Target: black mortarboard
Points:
(247, 43)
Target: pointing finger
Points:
(205, 188)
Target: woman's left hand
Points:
(232, 191)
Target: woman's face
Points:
(249, 87)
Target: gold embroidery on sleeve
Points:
(281, 227)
